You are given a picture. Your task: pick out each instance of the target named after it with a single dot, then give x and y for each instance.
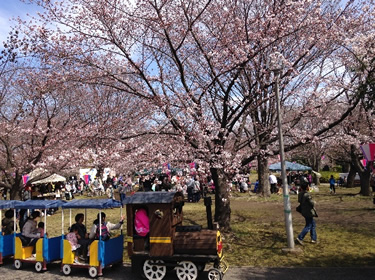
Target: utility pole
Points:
(276, 65)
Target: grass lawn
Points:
(345, 228)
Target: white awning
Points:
(51, 179)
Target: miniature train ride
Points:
(157, 240)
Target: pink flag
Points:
(86, 178)
(25, 178)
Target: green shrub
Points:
(327, 174)
(337, 168)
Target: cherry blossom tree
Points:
(360, 125)
(31, 120)
(199, 70)
(317, 92)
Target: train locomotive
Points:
(157, 241)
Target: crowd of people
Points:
(193, 186)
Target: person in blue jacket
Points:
(332, 183)
(256, 186)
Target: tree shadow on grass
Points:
(273, 239)
(340, 260)
(307, 273)
(358, 209)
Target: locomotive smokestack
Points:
(208, 203)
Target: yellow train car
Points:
(102, 253)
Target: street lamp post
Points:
(277, 63)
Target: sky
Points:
(9, 9)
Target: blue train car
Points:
(6, 241)
(47, 249)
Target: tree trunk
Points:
(351, 176)
(365, 182)
(222, 202)
(99, 172)
(364, 173)
(316, 157)
(16, 189)
(263, 176)
(345, 167)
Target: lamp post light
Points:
(276, 65)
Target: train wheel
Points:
(187, 270)
(38, 266)
(93, 271)
(214, 274)
(17, 264)
(66, 269)
(154, 270)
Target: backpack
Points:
(105, 232)
(141, 222)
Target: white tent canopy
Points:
(51, 179)
(37, 173)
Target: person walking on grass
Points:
(332, 183)
(308, 212)
(273, 183)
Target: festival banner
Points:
(368, 151)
